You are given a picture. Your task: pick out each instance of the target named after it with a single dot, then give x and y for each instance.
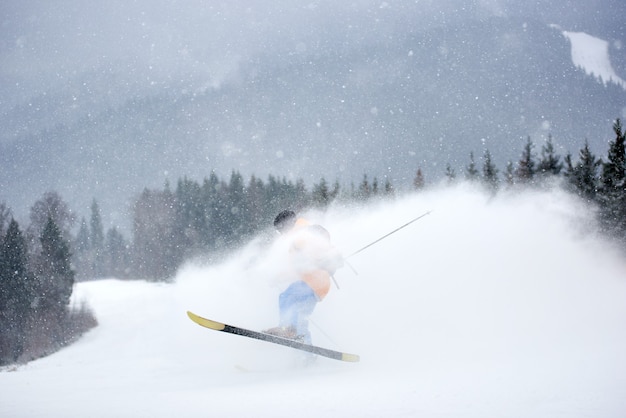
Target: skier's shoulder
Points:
(305, 228)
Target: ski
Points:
(325, 352)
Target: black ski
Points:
(218, 326)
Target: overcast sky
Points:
(44, 44)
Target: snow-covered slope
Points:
(592, 55)
(488, 307)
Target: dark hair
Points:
(285, 220)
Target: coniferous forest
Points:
(40, 263)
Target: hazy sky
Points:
(46, 44)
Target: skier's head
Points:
(284, 221)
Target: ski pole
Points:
(385, 236)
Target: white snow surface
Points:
(592, 55)
(504, 306)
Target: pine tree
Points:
(450, 174)
(526, 165)
(82, 253)
(5, 219)
(389, 190)
(190, 223)
(95, 224)
(471, 172)
(96, 239)
(255, 206)
(320, 194)
(16, 294)
(55, 276)
(583, 176)
(117, 260)
(614, 170)
(612, 194)
(156, 253)
(375, 187)
(54, 282)
(490, 172)
(301, 197)
(51, 205)
(82, 241)
(234, 217)
(365, 190)
(418, 180)
(550, 163)
(334, 193)
(210, 203)
(509, 174)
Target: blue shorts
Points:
(295, 305)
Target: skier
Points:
(312, 261)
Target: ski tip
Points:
(205, 322)
(354, 358)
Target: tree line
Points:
(208, 218)
(36, 283)
(200, 219)
(39, 265)
(600, 182)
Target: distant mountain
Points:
(423, 97)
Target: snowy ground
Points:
(502, 307)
